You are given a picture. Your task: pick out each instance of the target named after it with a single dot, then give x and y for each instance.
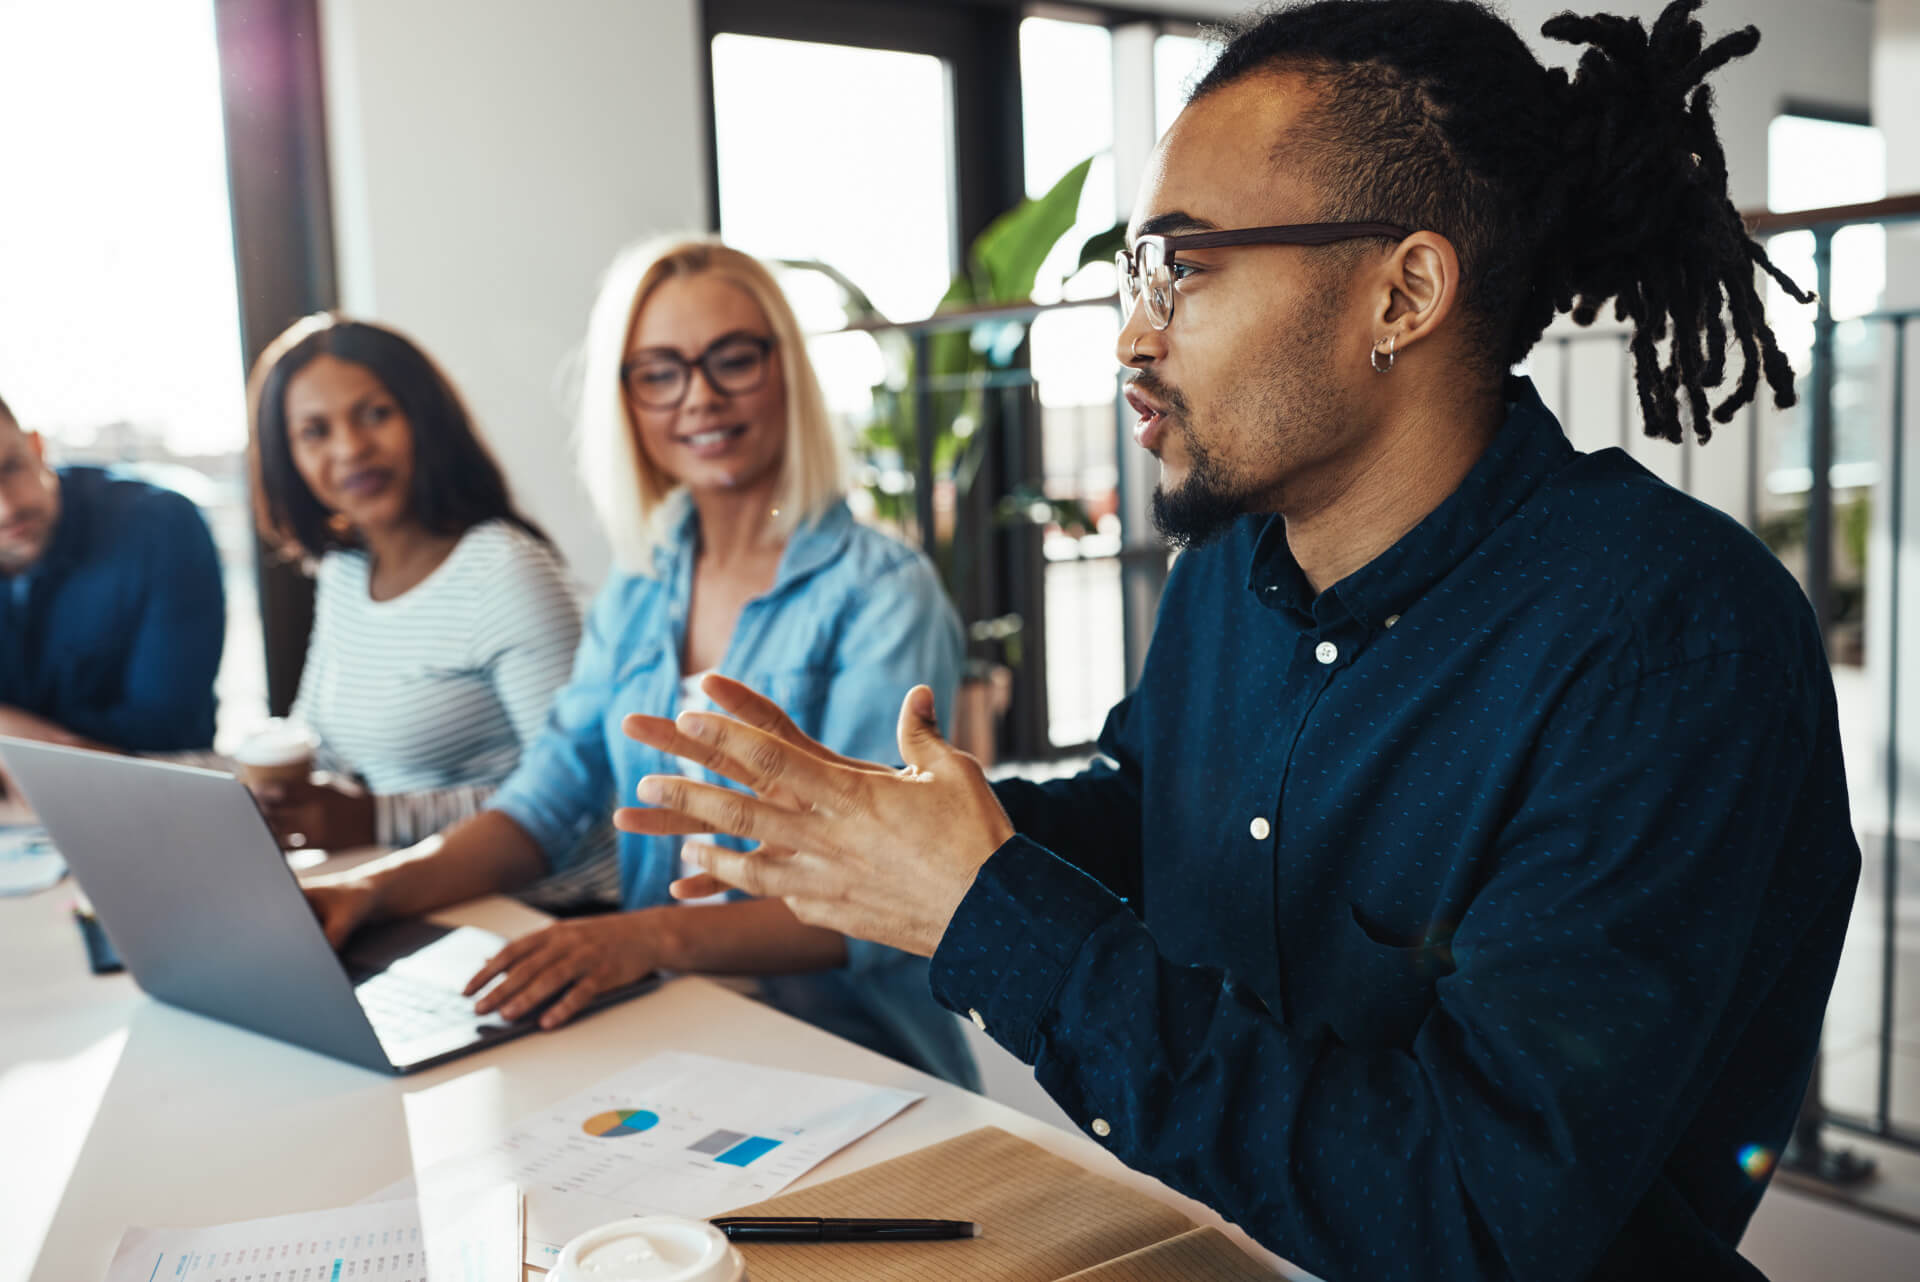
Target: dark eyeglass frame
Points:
(765, 343)
(1168, 248)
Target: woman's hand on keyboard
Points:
(577, 959)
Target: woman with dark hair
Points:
(443, 618)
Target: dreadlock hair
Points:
(1558, 192)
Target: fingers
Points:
(920, 743)
(763, 714)
(337, 919)
(654, 821)
(585, 988)
(559, 972)
(766, 872)
(760, 760)
(702, 885)
(530, 979)
(661, 733)
(699, 886)
(339, 928)
(688, 807)
(500, 962)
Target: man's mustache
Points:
(1161, 392)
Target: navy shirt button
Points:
(1326, 652)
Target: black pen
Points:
(775, 1228)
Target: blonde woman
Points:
(706, 448)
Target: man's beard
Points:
(1202, 507)
(1292, 410)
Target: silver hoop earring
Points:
(1134, 351)
(1373, 357)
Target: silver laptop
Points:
(199, 902)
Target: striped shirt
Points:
(429, 697)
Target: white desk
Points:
(117, 1110)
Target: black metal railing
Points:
(1809, 1153)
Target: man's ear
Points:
(1419, 289)
(38, 444)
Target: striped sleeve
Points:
(402, 818)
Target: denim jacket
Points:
(853, 621)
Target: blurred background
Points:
(940, 180)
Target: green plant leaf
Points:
(1006, 256)
(859, 307)
(1102, 246)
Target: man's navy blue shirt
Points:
(115, 633)
(1468, 919)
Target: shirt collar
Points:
(1528, 448)
(817, 541)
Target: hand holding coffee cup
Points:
(276, 756)
(304, 809)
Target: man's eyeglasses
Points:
(733, 365)
(1146, 270)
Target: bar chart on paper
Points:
(476, 1239)
(678, 1133)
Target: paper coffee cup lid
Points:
(651, 1248)
(278, 743)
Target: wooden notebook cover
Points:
(1041, 1218)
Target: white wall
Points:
(489, 156)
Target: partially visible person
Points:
(708, 452)
(443, 618)
(112, 615)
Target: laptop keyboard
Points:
(403, 1009)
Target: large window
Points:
(808, 169)
(119, 336)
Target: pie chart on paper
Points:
(623, 1121)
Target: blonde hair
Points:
(628, 492)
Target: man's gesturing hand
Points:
(875, 853)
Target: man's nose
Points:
(1139, 343)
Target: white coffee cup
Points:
(280, 752)
(651, 1248)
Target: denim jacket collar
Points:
(815, 544)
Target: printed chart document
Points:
(475, 1239)
(677, 1133)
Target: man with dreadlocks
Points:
(1469, 874)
